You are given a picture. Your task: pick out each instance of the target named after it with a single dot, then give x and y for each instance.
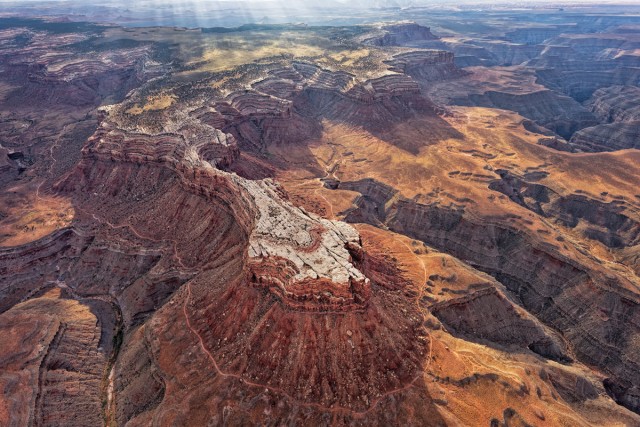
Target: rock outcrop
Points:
(616, 104)
(487, 314)
(619, 108)
(559, 113)
(52, 363)
(400, 34)
(611, 223)
(425, 65)
(608, 137)
(286, 106)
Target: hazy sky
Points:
(229, 13)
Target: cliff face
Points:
(608, 137)
(585, 63)
(611, 223)
(69, 77)
(397, 35)
(242, 240)
(580, 84)
(616, 104)
(515, 89)
(427, 66)
(619, 110)
(559, 113)
(55, 363)
(286, 107)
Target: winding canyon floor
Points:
(376, 224)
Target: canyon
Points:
(393, 223)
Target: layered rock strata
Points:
(618, 107)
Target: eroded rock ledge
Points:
(302, 258)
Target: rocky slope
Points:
(608, 137)
(580, 64)
(618, 108)
(515, 89)
(559, 113)
(399, 34)
(616, 104)
(52, 362)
